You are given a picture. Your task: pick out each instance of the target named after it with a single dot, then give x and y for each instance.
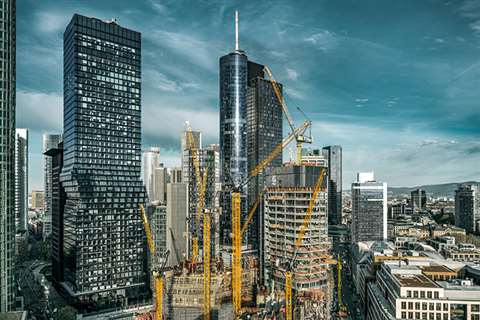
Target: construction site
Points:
(252, 246)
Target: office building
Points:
(208, 161)
(313, 157)
(369, 209)
(264, 133)
(151, 161)
(334, 158)
(49, 141)
(7, 155)
(57, 207)
(160, 177)
(287, 199)
(102, 166)
(38, 200)
(176, 222)
(21, 180)
(403, 291)
(467, 207)
(176, 175)
(235, 73)
(186, 144)
(418, 200)
(157, 215)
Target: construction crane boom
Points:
(300, 138)
(298, 243)
(157, 273)
(206, 264)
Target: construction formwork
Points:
(285, 210)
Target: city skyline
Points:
(409, 125)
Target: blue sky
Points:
(396, 83)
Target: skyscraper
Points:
(104, 241)
(57, 207)
(264, 133)
(418, 200)
(151, 160)
(7, 155)
(176, 224)
(160, 176)
(235, 73)
(334, 157)
(21, 180)
(49, 141)
(369, 209)
(467, 207)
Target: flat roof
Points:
(437, 268)
(415, 280)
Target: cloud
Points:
(292, 74)
(39, 111)
(198, 52)
(323, 40)
(160, 81)
(158, 6)
(51, 22)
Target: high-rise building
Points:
(314, 157)
(49, 141)
(38, 199)
(185, 144)
(287, 198)
(104, 241)
(151, 161)
(7, 155)
(418, 200)
(21, 180)
(334, 158)
(467, 207)
(57, 208)
(176, 222)
(235, 73)
(369, 209)
(264, 133)
(176, 175)
(160, 176)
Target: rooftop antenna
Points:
(236, 30)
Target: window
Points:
(431, 306)
(409, 293)
(404, 305)
(475, 307)
(475, 316)
(417, 305)
(415, 294)
(410, 315)
(435, 294)
(445, 307)
(424, 306)
(429, 294)
(404, 315)
(422, 294)
(439, 306)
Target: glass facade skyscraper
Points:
(334, 156)
(7, 153)
(104, 244)
(49, 141)
(21, 180)
(369, 209)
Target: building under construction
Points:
(285, 206)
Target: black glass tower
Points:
(264, 133)
(103, 246)
(7, 154)
(334, 156)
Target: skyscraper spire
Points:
(236, 30)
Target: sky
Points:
(395, 83)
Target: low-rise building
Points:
(404, 292)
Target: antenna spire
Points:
(236, 30)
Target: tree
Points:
(66, 313)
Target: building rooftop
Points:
(415, 280)
(436, 269)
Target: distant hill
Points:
(435, 190)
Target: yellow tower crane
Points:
(192, 146)
(299, 138)
(201, 187)
(298, 243)
(157, 272)
(237, 229)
